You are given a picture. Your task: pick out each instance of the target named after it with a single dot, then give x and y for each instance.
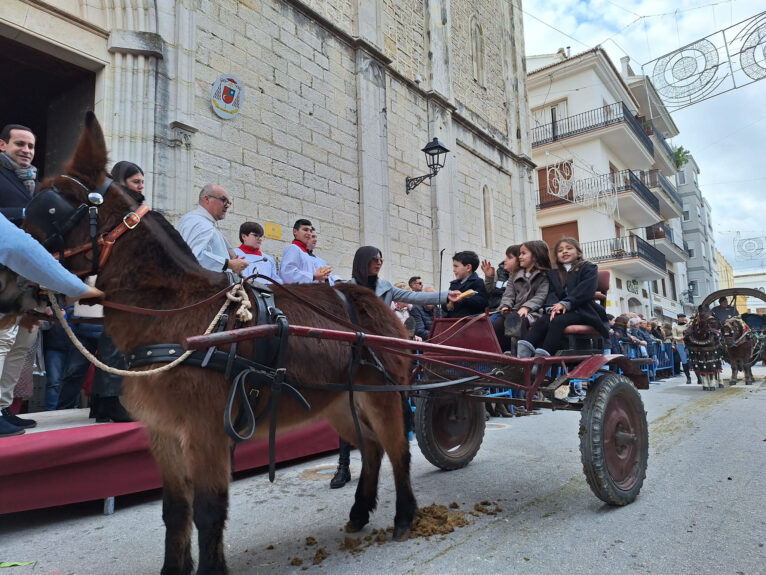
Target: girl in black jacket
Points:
(570, 301)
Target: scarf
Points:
(26, 175)
(301, 245)
(250, 251)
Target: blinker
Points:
(49, 212)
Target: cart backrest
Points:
(474, 333)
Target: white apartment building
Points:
(698, 234)
(604, 176)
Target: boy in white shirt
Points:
(251, 236)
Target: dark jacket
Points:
(621, 338)
(578, 294)
(496, 285)
(424, 319)
(14, 196)
(473, 305)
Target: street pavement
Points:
(701, 509)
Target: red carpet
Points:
(60, 466)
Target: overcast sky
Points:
(726, 134)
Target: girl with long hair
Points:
(571, 300)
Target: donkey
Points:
(704, 348)
(739, 346)
(151, 267)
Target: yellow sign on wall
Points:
(273, 231)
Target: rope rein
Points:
(237, 294)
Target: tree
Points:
(681, 156)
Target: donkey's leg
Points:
(176, 504)
(210, 470)
(366, 496)
(387, 422)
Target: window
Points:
(618, 283)
(686, 216)
(672, 285)
(691, 252)
(477, 51)
(680, 179)
(654, 287)
(693, 287)
(664, 289)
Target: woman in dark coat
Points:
(571, 300)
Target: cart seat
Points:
(584, 338)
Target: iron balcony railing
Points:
(588, 121)
(655, 179)
(623, 248)
(623, 181)
(652, 129)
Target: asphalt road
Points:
(701, 509)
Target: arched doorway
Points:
(47, 94)
(635, 305)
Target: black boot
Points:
(14, 419)
(110, 409)
(688, 375)
(343, 474)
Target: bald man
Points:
(199, 229)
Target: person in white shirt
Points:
(298, 265)
(251, 236)
(199, 229)
(318, 261)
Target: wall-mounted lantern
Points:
(436, 154)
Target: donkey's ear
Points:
(90, 156)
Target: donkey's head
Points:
(74, 209)
(731, 330)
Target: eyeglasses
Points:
(256, 235)
(379, 260)
(226, 201)
(418, 283)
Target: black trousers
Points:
(547, 334)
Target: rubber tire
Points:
(447, 448)
(614, 474)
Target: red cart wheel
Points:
(614, 440)
(449, 429)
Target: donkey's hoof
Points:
(354, 526)
(401, 533)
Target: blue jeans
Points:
(77, 366)
(55, 364)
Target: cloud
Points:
(726, 134)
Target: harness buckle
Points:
(131, 220)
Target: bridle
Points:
(52, 214)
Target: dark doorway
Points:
(47, 94)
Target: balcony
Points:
(629, 255)
(671, 205)
(637, 205)
(592, 120)
(661, 237)
(663, 153)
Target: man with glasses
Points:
(199, 229)
(416, 283)
(251, 236)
